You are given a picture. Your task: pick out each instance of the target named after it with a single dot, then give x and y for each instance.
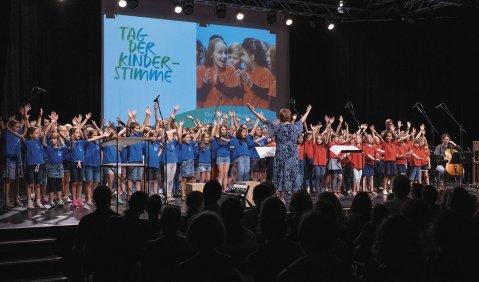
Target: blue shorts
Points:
(368, 170)
(135, 173)
(425, 167)
(34, 174)
(10, 170)
(92, 174)
(335, 171)
(153, 173)
(414, 173)
(204, 167)
(389, 168)
(401, 169)
(77, 173)
(187, 168)
(54, 170)
(44, 179)
(222, 160)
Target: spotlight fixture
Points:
(330, 26)
(178, 7)
(271, 16)
(289, 20)
(239, 15)
(188, 7)
(341, 7)
(220, 11)
(122, 3)
(132, 4)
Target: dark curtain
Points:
(384, 68)
(55, 45)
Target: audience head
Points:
(194, 201)
(429, 194)
(153, 206)
(317, 233)
(170, 219)
(378, 213)
(232, 211)
(300, 202)
(102, 197)
(397, 242)
(273, 218)
(326, 208)
(206, 232)
(362, 205)
(416, 191)
(453, 232)
(418, 212)
(330, 197)
(212, 192)
(137, 203)
(401, 186)
(461, 202)
(261, 192)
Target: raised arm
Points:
(259, 116)
(339, 124)
(146, 121)
(305, 116)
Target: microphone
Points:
(439, 106)
(348, 104)
(156, 99)
(39, 89)
(416, 105)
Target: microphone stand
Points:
(35, 91)
(421, 110)
(350, 107)
(165, 163)
(461, 129)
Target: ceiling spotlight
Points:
(341, 7)
(188, 7)
(330, 26)
(239, 15)
(289, 20)
(122, 3)
(271, 16)
(220, 11)
(178, 7)
(132, 4)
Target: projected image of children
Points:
(236, 74)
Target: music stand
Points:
(337, 149)
(121, 141)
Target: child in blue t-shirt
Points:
(189, 148)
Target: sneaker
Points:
(44, 200)
(89, 203)
(74, 203)
(385, 192)
(67, 200)
(354, 193)
(19, 203)
(80, 203)
(52, 205)
(60, 204)
(9, 205)
(350, 192)
(30, 205)
(40, 205)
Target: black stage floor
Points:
(21, 217)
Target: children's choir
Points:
(61, 162)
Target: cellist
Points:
(441, 158)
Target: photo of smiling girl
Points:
(216, 79)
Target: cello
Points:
(452, 169)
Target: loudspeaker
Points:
(475, 163)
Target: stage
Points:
(21, 217)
